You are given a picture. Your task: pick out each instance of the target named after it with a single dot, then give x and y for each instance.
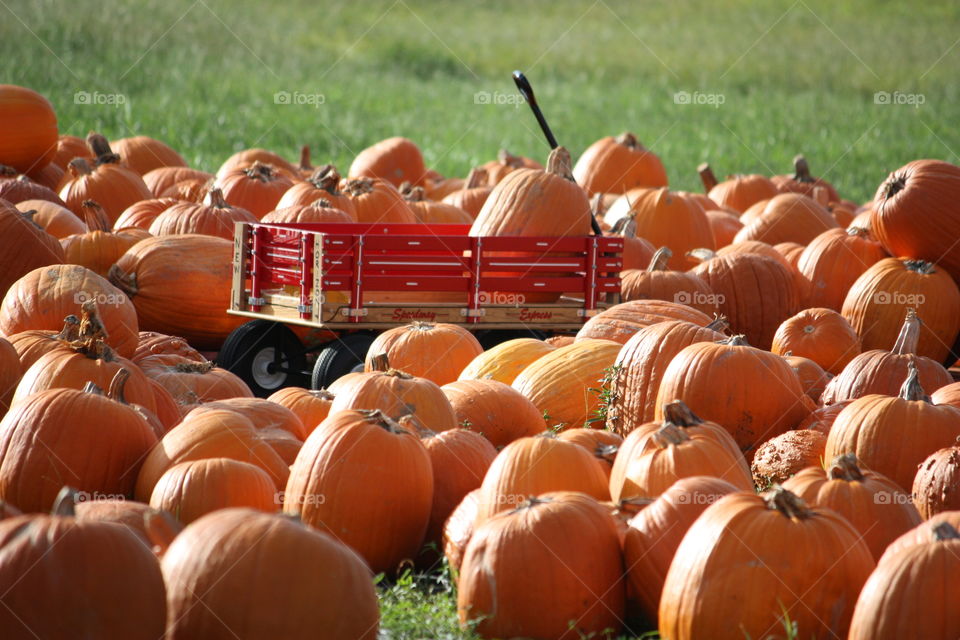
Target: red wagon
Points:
(328, 289)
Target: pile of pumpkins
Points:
(760, 439)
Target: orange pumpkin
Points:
(876, 507)
(191, 382)
(724, 226)
(257, 188)
(24, 245)
(505, 163)
(505, 361)
(620, 322)
(156, 529)
(214, 217)
(161, 179)
(142, 154)
(822, 335)
(108, 182)
(785, 455)
(158, 274)
(140, 215)
(53, 218)
(429, 212)
(802, 182)
(788, 217)
(98, 248)
(323, 184)
(738, 192)
(396, 468)
(248, 157)
(616, 165)
(319, 211)
(833, 261)
(472, 194)
(493, 409)
(312, 407)
(458, 528)
(28, 128)
(438, 352)
(396, 160)
(377, 201)
(657, 282)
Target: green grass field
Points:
(792, 77)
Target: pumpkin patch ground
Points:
(262, 374)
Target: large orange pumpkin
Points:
(788, 217)
(736, 571)
(140, 215)
(105, 580)
(98, 248)
(24, 245)
(28, 128)
(754, 394)
(323, 184)
(567, 536)
(436, 351)
(248, 157)
(620, 322)
(142, 154)
(640, 365)
(161, 179)
(53, 218)
(494, 409)
(832, 262)
(616, 165)
(505, 361)
(912, 593)
(738, 192)
(318, 211)
(83, 438)
(472, 194)
(312, 407)
(876, 507)
(801, 181)
(395, 467)
(430, 212)
(232, 571)
(657, 282)
(257, 188)
(191, 382)
(159, 274)
(213, 217)
(893, 435)
(876, 302)
(914, 214)
(458, 528)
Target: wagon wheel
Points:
(340, 357)
(266, 355)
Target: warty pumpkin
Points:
(618, 164)
(565, 536)
(876, 507)
(396, 470)
(937, 484)
(785, 455)
(233, 570)
(735, 572)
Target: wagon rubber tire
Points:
(340, 357)
(251, 352)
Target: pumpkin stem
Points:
(702, 254)
(945, 531)
(101, 149)
(507, 159)
(321, 394)
(845, 468)
(79, 167)
(822, 196)
(95, 217)
(857, 231)
(912, 389)
(909, 335)
(126, 282)
(478, 177)
(634, 505)
(215, 199)
(194, 367)
(305, 158)
(660, 259)
(786, 502)
(71, 329)
(720, 324)
(560, 164)
(117, 385)
(412, 193)
(679, 414)
(415, 425)
(382, 420)
(380, 362)
(670, 434)
(707, 177)
(625, 227)
(920, 266)
(358, 186)
(320, 203)
(326, 178)
(801, 170)
(91, 387)
(894, 184)
(66, 502)
(28, 215)
(738, 340)
(7, 171)
(260, 171)
(630, 141)
(606, 452)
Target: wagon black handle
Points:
(527, 92)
